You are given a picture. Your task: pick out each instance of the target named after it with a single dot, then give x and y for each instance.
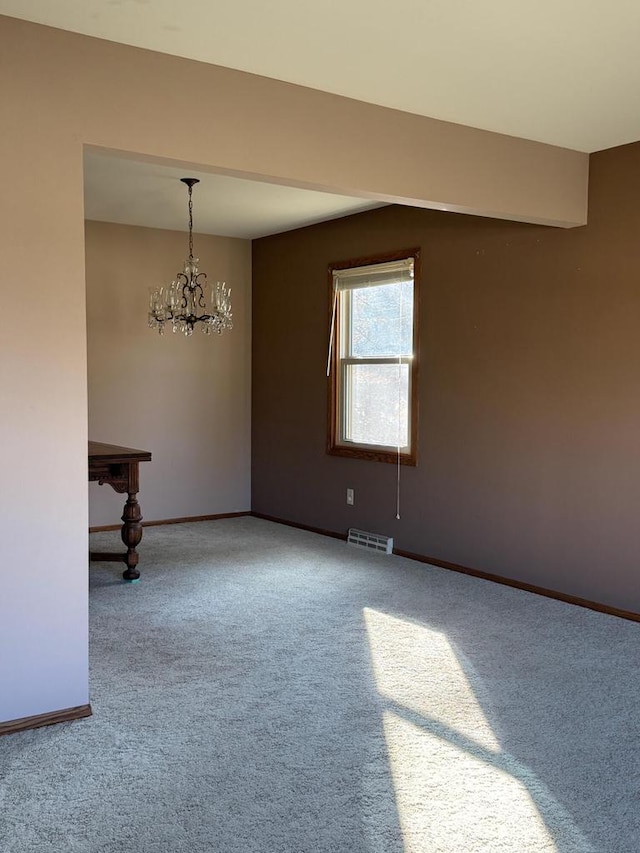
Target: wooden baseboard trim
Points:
(476, 573)
(107, 527)
(525, 587)
(321, 530)
(64, 716)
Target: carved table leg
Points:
(123, 476)
(131, 535)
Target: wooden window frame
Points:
(361, 451)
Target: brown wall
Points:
(529, 463)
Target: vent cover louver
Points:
(373, 541)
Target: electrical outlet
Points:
(350, 496)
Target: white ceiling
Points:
(564, 72)
(144, 193)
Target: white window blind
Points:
(374, 275)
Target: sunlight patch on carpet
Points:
(444, 794)
(416, 668)
(455, 788)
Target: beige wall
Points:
(109, 95)
(62, 91)
(185, 399)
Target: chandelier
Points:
(189, 299)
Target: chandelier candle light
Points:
(184, 302)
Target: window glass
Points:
(382, 320)
(377, 404)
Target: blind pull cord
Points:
(399, 422)
(332, 329)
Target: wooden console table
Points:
(118, 466)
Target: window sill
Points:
(371, 454)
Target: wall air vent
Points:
(372, 541)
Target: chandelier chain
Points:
(190, 222)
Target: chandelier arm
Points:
(183, 279)
(200, 285)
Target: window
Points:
(373, 358)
